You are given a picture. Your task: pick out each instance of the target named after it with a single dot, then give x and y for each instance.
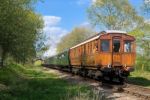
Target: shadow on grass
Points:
(139, 81)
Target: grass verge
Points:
(31, 83)
(140, 77)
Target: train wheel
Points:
(103, 78)
(121, 80)
(70, 69)
(110, 78)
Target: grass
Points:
(140, 77)
(19, 82)
(31, 83)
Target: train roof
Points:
(97, 36)
(115, 31)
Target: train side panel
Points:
(60, 59)
(86, 55)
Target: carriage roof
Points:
(97, 36)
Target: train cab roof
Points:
(115, 31)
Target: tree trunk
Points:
(3, 58)
(2, 62)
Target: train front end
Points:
(119, 50)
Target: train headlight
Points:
(109, 65)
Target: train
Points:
(108, 55)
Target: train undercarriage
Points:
(107, 74)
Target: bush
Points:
(142, 64)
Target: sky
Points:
(61, 16)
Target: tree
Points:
(113, 14)
(143, 39)
(41, 48)
(76, 36)
(20, 29)
(146, 7)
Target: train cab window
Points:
(116, 45)
(127, 46)
(104, 45)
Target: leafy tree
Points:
(143, 40)
(113, 14)
(146, 7)
(20, 29)
(41, 48)
(76, 36)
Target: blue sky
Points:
(61, 16)
(72, 12)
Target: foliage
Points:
(141, 32)
(41, 49)
(113, 14)
(20, 28)
(142, 63)
(76, 36)
(146, 7)
(41, 46)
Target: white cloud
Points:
(147, 1)
(147, 21)
(51, 20)
(93, 1)
(84, 2)
(85, 24)
(54, 32)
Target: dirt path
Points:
(111, 93)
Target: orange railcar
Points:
(109, 51)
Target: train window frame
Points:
(115, 47)
(86, 49)
(74, 52)
(131, 46)
(96, 45)
(90, 47)
(108, 40)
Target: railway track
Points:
(136, 90)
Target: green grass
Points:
(19, 82)
(140, 77)
(31, 83)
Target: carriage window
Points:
(127, 46)
(116, 45)
(105, 45)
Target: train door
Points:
(116, 51)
